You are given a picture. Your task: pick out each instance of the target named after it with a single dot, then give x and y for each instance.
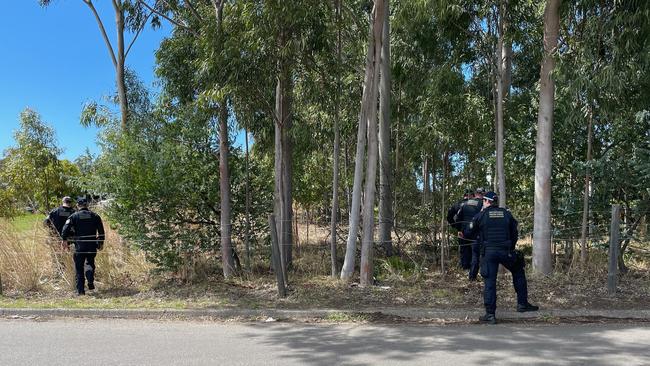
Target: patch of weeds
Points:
(340, 317)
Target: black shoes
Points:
(522, 308)
(91, 286)
(488, 318)
(80, 293)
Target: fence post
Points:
(275, 257)
(614, 236)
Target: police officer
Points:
(476, 245)
(88, 238)
(453, 210)
(464, 216)
(57, 217)
(497, 231)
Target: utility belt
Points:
(500, 247)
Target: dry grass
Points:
(36, 273)
(31, 260)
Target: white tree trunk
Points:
(502, 88)
(283, 200)
(385, 171)
(368, 110)
(337, 148)
(224, 185)
(542, 262)
(120, 67)
(585, 198)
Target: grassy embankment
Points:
(36, 272)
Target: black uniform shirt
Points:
(57, 218)
(495, 227)
(88, 228)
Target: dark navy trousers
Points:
(489, 271)
(476, 257)
(84, 264)
(465, 253)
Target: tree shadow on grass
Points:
(504, 344)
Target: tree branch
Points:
(103, 31)
(189, 5)
(126, 54)
(176, 23)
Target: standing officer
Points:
(497, 232)
(88, 238)
(57, 217)
(476, 245)
(464, 216)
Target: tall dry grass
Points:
(23, 265)
(34, 261)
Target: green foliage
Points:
(30, 173)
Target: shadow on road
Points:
(500, 344)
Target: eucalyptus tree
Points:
(367, 122)
(544, 150)
(129, 15)
(30, 169)
(385, 171)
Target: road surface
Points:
(140, 342)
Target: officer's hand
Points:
(460, 235)
(64, 244)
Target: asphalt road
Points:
(136, 342)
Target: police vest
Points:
(58, 217)
(495, 232)
(468, 210)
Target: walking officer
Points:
(57, 217)
(497, 232)
(464, 216)
(88, 238)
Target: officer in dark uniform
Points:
(88, 238)
(464, 216)
(453, 210)
(57, 217)
(476, 245)
(497, 231)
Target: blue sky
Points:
(54, 59)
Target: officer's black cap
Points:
(480, 190)
(82, 202)
(67, 200)
(491, 196)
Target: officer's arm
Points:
(65, 232)
(472, 229)
(100, 231)
(450, 214)
(514, 233)
(49, 219)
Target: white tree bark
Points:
(337, 147)
(368, 110)
(585, 198)
(542, 261)
(224, 186)
(385, 171)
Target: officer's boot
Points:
(488, 318)
(522, 308)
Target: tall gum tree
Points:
(542, 262)
(367, 122)
(385, 171)
(124, 12)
